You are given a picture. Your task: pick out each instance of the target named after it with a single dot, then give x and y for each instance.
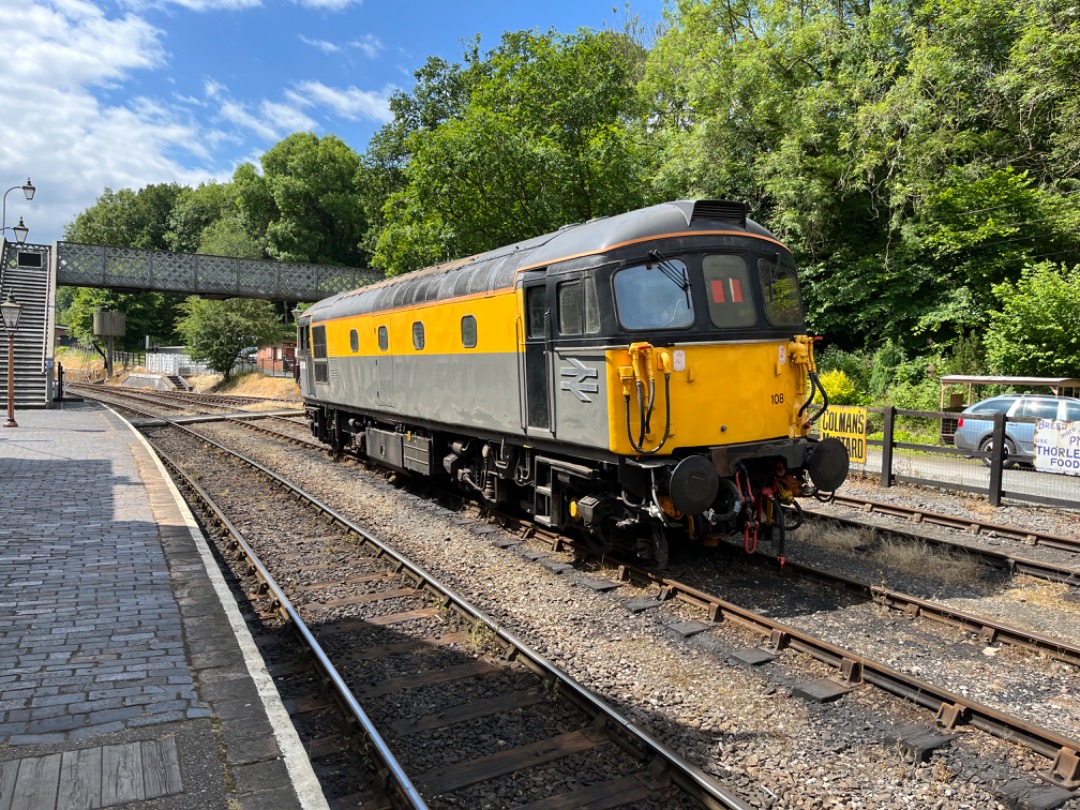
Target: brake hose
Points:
(638, 446)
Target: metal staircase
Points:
(25, 276)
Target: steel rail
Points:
(691, 778)
(951, 708)
(976, 527)
(1013, 563)
(407, 792)
(988, 630)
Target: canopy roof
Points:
(1058, 385)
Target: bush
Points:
(839, 387)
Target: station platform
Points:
(128, 677)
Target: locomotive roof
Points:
(496, 269)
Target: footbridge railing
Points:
(133, 269)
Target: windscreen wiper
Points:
(676, 275)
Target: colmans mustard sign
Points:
(848, 424)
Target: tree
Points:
(146, 315)
(545, 138)
(216, 331)
(127, 218)
(1037, 331)
(305, 204)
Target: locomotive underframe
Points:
(618, 503)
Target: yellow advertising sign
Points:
(848, 424)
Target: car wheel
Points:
(987, 446)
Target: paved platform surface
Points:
(127, 676)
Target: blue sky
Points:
(100, 94)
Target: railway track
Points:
(1062, 564)
(950, 709)
(400, 641)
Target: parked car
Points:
(975, 433)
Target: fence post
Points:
(887, 446)
(997, 460)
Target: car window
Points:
(1072, 411)
(990, 406)
(1040, 408)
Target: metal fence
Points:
(916, 447)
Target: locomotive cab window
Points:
(536, 307)
(318, 342)
(578, 311)
(354, 341)
(468, 331)
(418, 335)
(654, 296)
(318, 352)
(780, 287)
(303, 338)
(384, 339)
(728, 288)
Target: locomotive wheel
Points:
(658, 550)
(601, 541)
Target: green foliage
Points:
(534, 136)
(839, 387)
(885, 368)
(855, 365)
(1037, 331)
(216, 331)
(146, 314)
(127, 218)
(305, 204)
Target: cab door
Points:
(536, 380)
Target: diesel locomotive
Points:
(643, 378)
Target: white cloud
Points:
(369, 44)
(321, 44)
(56, 54)
(351, 103)
(194, 5)
(328, 5)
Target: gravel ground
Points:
(742, 723)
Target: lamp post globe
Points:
(11, 310)
(28, 190)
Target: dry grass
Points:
(255, 384)
(897, 554)
(1039, 592)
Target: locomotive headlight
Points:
(693, 485)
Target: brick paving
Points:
(102, 594)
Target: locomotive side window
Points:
(578, 310)
(354, 341)
(384, 339)
(318, 352)
(468, 332)
(304, 335)
(318, 342)
(536, 306)
(783, 307)
(650, 296)
(418, 335)
(570, 299)
(728, 288)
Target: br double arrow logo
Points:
(577, 386)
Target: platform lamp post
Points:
(11, 311)
(28, 189)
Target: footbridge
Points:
(31, 273)
(136, 270)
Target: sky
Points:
(99, 94)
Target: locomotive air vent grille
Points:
(729, 210)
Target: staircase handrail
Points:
(47, 344)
